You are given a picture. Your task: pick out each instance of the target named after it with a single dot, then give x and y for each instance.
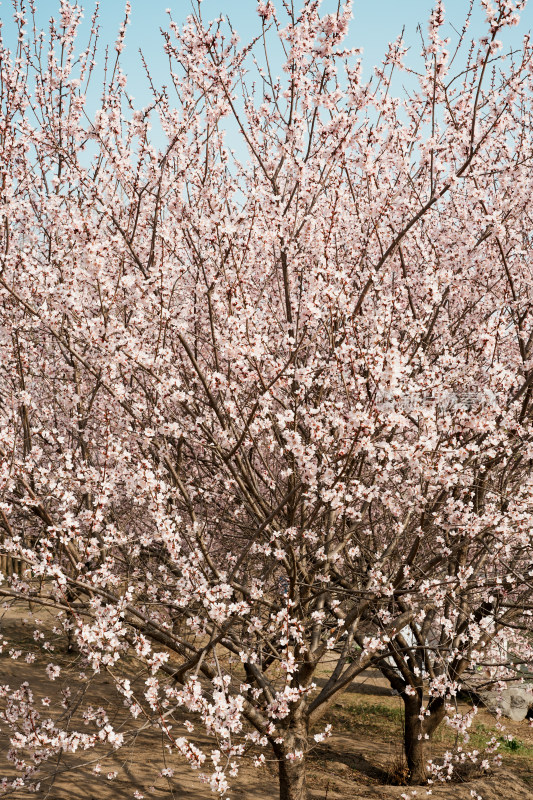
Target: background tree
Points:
(268, 411)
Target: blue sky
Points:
(375, 23)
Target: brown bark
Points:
(414, 739)
(416, 730)
(292, 780)
(292, 771)
(437, 710)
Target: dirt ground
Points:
(357, 762)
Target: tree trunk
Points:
(292, 779)
(414, 739)
(292, 771)
(437, 711)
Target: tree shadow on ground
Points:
(356, 763)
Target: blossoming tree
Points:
(266, 409)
